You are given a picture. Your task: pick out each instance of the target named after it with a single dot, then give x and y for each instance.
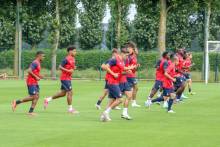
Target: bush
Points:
(94, 58)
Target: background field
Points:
(196, 123)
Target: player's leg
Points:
(114, 93)
(32, 90)
(170, 102)
(157, 85)
(128, 94)
(33, 105)
(133, 83)
(105, 92)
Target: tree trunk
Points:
(56, 42)
(206, 38)
(162, 26)
(33, 47)
(118, 37)
(18, 42)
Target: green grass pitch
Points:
(196, 123)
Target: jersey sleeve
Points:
(112, 62)
(165, 65)
(33, 66)
(158, 64)
(64, 62)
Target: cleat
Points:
(127, 117)
(105, 117)
(135, 105)
(171, 111)
(184, 97)
(165, 104)
(148, 103)
(117, 108)
(98, 107)
(73, 111)
(192, 93)
(45, 103)
(13, 105)
(31, 114)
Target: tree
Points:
(35, 21)
(119, 22)
(146, 24)
(90, 33)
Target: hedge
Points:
(93, 59)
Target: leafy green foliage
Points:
(90, 33)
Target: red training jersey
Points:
(117, 66)
(35, 68)
(161, 66)
(68, 63)
(131, 60)
(186, 64)
(168, 83)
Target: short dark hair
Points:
(39, 53)
(70, 48)
(164, 54)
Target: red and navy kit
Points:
(117, 66)
(161, 66)
(123, 83)
(66, 77)
(187, 64)
(131, 77)
(32, 83)
(168, 86)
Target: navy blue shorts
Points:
(66, 85)
(158, 84)
(124, 87)
(179, 82)
(106, 84)
(33, 89)
(132, 81)
(114, 91)
(167, 92)
(187, 76)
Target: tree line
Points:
(158, 24)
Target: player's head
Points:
(131, 47)
(166, 55)
(124, 53)
(114, 52)
(174, 59)
(40, 55)
(71, 50)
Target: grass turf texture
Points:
(196, 123)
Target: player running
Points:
(114, 67)
(131, 77)
(187, 64)
(105, 92)
(168, 86)
(67, 68)
(32, 84)
(161, 66)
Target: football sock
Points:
(70, 107)
(159, 99)
(170, 102)
(31, 110)
(99, 102)
(190, 90)
(178, 96)
(18, 101)
(125, 111)
(108, 110)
